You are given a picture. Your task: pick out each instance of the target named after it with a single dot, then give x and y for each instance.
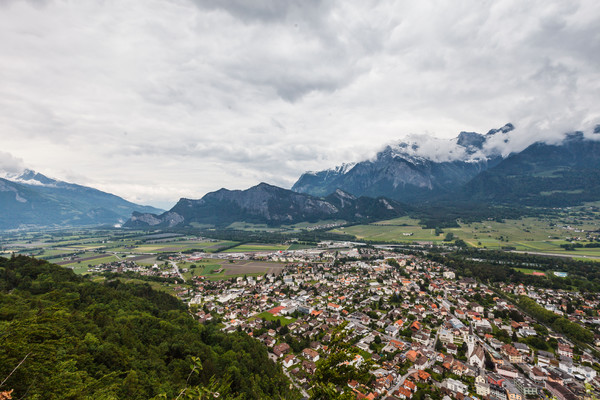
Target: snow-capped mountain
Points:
(30, 177)
(413, 169)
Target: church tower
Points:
(470, 342)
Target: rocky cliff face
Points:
(271, 205)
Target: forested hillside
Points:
(79, 339)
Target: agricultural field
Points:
(216, 246)
(171, 246)
(405, 230)
(83, 248)
(543, 235)
(147, 260)
(80, 250)
(87, 259)
(300, 246)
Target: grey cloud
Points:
(10, 164)
(309, 46)
(231, 93)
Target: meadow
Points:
(535, 235)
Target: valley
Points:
(299, 200)
(411, 275)
(397, 318)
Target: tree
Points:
(460, 243)
(330, 392)
(334, 371)
(439, 346)
(117, 340)
(462, 350)
(489, 364)
(516, 316)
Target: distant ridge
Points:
(32, 200)
(471, 169)
(268, 204)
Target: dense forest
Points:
(445, 213)
(63, 336)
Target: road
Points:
(401, 381)
(285, 371)
(430, 362)
(176, 268)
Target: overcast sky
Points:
(157, 100)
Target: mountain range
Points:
(30, 200)
(471, 169)
(412, 171)
(465, 172)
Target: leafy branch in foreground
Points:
(334, 372)
(215, 389)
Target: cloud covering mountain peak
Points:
(467, 146)
(475, 147)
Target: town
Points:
(411, 327)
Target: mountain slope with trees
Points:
(79, 339)
(542, 175)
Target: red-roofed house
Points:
(275, 311)
(403, 393)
